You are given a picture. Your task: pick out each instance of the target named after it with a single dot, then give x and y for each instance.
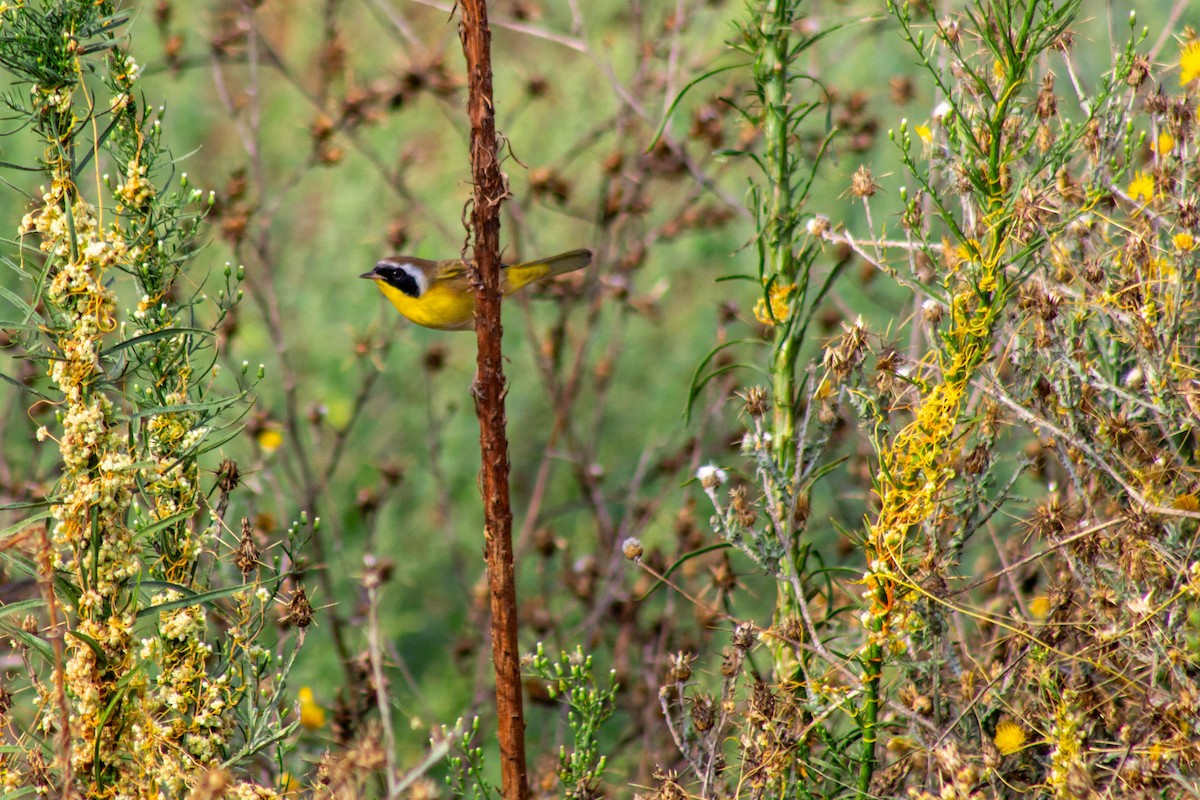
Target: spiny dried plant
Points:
(1022, 613)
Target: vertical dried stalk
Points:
(490, 191)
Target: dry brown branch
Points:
(490, 191)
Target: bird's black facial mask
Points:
(400, 276)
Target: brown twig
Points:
(490, 191)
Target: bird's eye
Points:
(401, 276)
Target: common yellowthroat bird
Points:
(438, 294)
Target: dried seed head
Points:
(757, 403)
(1189, 214)
(912, 698)
(228, 476)
(668, 786)
(547, 184)
(744, 636)
(863, 184)
(901, 89)
(1156, 103)
(300, 611)
(1050, 520)
(1139, 70)
(842, 358)
(246, 558)
(703, 714)
(377, 571)
(679, 667)
(950, 31)
(977, 461)
(932, 311)
(801, 509)
(730, 663)
(1047, 101)
(762, 703)
(711, 476)
(742, 509)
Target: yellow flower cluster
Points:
(136, 191)
(1066, 747)
(147, 718)
(915, 468)
(92, 540)
(780, 307)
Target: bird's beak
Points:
(371, 276)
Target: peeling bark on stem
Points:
(489, 391)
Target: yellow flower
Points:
(1189, 63)
(288, 784)
(1186, 502)
(925, 133)
(1141, 187)
(312, 715)
(781, 300)
(1165, 144)
(1184, 241)
(269, 439)
(1010, 737)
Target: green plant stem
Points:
(773, 76)
(872, 667)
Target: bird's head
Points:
(407, 275)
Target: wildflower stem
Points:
(773, 75)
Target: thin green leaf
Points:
(7, 609)
(17, 527)
(662, 126)
(166, 333)
(169, 521)
(92, 644)
(696, 383)
(194, 599)
(24, 388)
(210, 405)
(825, 469)
(20, 303)
(30, 640)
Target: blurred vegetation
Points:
(977, 519)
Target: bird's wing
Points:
(452, 271)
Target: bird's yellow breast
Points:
(446, 305)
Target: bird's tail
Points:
(530, 271)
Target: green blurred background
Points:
(333, 133)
